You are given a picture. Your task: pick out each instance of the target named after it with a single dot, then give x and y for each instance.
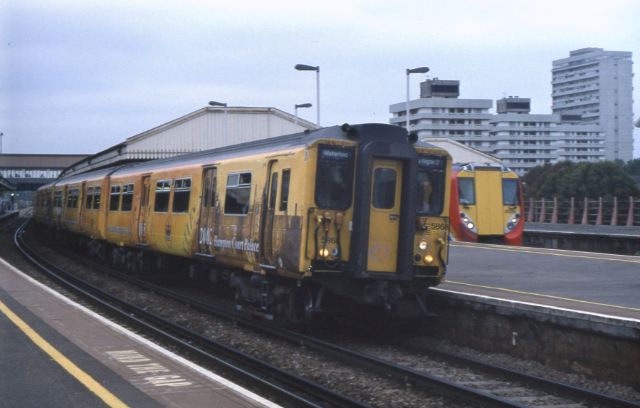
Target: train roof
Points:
(481, 166)
(367, 131)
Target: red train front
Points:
(486, 204)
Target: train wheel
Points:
(238, 299)
(101, 253)
(300, 308)
(131, 262)
(115, 257)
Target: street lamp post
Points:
(419, 70)
(226, 122)
(302, 105)
(303, 67)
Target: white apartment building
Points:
(594, 86)
(439, 113)
(523, 140)
(519, 139)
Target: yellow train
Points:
(359, 212)
(486, 204)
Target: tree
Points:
(565, 179)
(633, 167)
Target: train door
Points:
(143, 210)
(490, 217)
(206, 224)
(268, 233)
(81, 207)
(384, 216)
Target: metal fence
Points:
(587, 211)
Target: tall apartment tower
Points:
(594, 86)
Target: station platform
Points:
(55, 352)
(586, 282)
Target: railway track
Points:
(287, 388)
(462, 380)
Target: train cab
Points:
(486, 204)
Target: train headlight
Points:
(468, 223)
(422, 245)
(324, 252)
(428, 259)
(334, 252)
(512, 222)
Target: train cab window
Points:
(97, 193)
(163, 189)
(510, 192)
(114, 198)
(284, 194)
(89, 197)
(334, 177)
(127, 197)
(466, 191)
(238, 193)
(431, 184)
(72, 198)
(384, 188)
(181, 193)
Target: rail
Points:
(613, 211)
(285, 386)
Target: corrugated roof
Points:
(39, 161)
(230, 110)
(462, 153)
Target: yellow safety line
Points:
(543, 295)
(606, 257)
(84, 378)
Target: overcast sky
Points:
(80, 76)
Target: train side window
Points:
(72, 198)
(510, 192)
(284, 194)
(57, 199)
(127, 197)
(384, 188)
(181, 193)
(466, 191)
(89, 197)
(274, 191)
(114, 198)
(97, 193)
(238, 193)
(163, 189)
